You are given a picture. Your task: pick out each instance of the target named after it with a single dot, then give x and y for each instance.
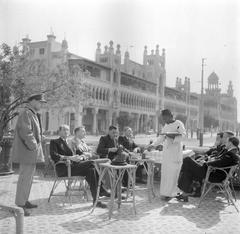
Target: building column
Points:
(156, 122)
(109, 118)
(95, 112)
(137, 122)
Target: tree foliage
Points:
(20, 77)
(124, 120)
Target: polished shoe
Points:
(180, 197)
(101, 205)
(165, 198)
(25, 212)
(195, 195)
(124, 189)
(104, 193)
(141, 181)
(29, 205)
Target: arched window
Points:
(115, 76)
(104, 95)
(97, 93)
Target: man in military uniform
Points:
(27, 149)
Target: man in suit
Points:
(127, 142)
(108, 145)
(60, 150)
(108, 148)
(191, 170)
(27, 149)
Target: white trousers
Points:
(24, 184)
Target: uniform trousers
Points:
(24, 184)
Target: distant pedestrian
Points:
(27, 149)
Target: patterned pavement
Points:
(214, 215)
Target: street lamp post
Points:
(201, 109)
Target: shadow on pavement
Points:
(125, 213)
(206, 216)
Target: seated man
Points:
(79, 146)
(127, 142)
(218, 148)
(108, 145)
(193, 171)
(59, 150)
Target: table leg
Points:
(101, 175)
(152, 180)
(112, 177)
(132, 175)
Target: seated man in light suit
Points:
(79, 146)
(60, 150)
(127, 142)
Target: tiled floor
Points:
(214, 216)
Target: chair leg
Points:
(204, 194)
(53, 188)
(230, 197)
(233, 190)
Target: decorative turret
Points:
(178, 83)
(105, 49)
(126, 55)
(163, 57)
(145, 56)
(187, 84)
(157, 50)
(111, 49)
(213, 85)
(230, 89)
(51, 37)
(118, 51)
(25, 44)
(64, 44)
(98, 52)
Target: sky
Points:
(189, 30)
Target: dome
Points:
(213, 78)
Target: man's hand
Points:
(150, 147)
(114, 149)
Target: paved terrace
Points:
(214, 215)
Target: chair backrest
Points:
(48, 159)
(229, 171)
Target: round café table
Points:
(115, 174)
(148, 165)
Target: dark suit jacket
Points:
(104, 144)
(226, 159)
(59, 147)
(123, 140)
(214, 151)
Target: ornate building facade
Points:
(221, 107)
(123, 88)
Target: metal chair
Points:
(69, 181)
(224, 185)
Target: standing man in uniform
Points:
(27, 149)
